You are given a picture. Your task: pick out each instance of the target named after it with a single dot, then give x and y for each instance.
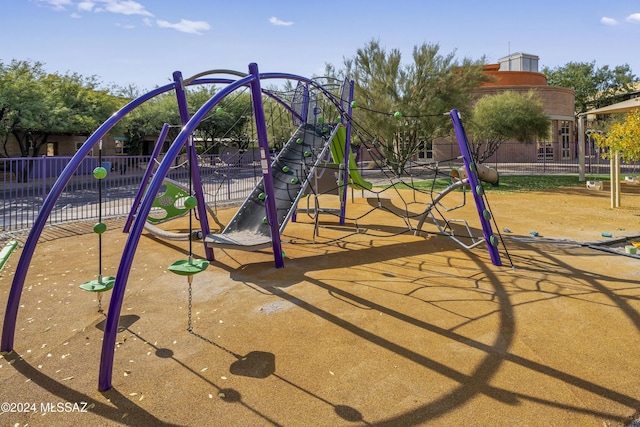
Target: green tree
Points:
(622, 137)
(595, 87)
(21, 101)
(147, 120)
(227, 124)
(403, 105)
(507, 115)
(75, 105)
(34, 104)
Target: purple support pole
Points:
(193, 164)
(154, 156)
(347, 157)
(119, 287)
(270, 202)
(305, 104)
(470, 167)
(146, 177)
(11, 313)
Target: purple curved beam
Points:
(106, 362)
(115, 304)
(11, 313)
(146, 177)
(154, 156)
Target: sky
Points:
(142, 42)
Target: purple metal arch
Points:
(474, 184)
(106, 362)
(11, 313)
(191, 81)
(154, 156)
(126, 261)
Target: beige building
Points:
(519, 73)
(66, 145)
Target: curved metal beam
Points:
(189, 81)
(126, 261)
(11, 313)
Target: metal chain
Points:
(189, 327)
(99, 302)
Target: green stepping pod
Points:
(99, 285)
(188, 267)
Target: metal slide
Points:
(291, 170)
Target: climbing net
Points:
(415, 194)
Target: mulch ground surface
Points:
(367, 323)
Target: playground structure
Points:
(261, 219)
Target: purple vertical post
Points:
(469, 165)
(146, 177)
(194, 170)
(43, 177)
(228, 176)
(13, 302)
(263, 142)
(305, 104)
(347, 157)
(126, 261)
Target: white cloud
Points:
(122, 7)
(148, 22)
(280, 23)
(185, 26)
(608, 21)
(57, 4)
(634, 18)
(75, 16)
(86, 6)
(126, 26)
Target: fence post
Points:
(43, 175)
(228, 176)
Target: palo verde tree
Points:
(507, 115)
(595, 87)
(622, 137)
(403, 104)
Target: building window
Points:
(425, 150)
(120, 149)
(52, 149)
(565, 139)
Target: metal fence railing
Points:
(226, 179)
(518, 158)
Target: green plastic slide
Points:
(6, 252)
(337, 152)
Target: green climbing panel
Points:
(169, 202)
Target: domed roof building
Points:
(518, 72)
